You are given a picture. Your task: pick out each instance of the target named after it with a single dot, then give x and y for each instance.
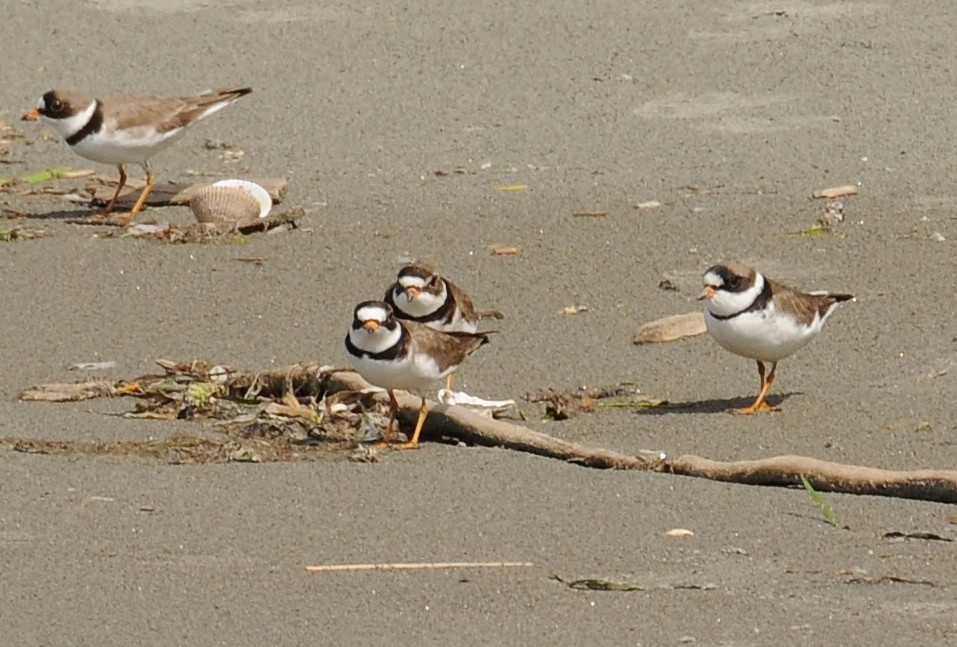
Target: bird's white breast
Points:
(126, 146)
(426, 304)
(421, 306)
(767, 334)
(400, 373)
(413, 372)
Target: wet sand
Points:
(728, 114)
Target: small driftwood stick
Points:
(172, 193)
(69, 392)
(470, 427)
(290, 217)
(926, 485)
(413, 566)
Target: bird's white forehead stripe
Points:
(711, 278)
(412, 282)
(368, 313)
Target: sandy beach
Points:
(437, 131)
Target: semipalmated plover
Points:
(760, 318)
(126, 129)
(395, 354)
(420, 294)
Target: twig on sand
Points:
(410, 566)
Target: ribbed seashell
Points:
(231, 203)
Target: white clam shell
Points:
(231, 202)
(261, 194)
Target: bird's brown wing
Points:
(166, 113)
(448, 349)
(805, 306)
(466, 308)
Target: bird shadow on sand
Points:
(717, 405)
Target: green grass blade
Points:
(46, 176)
(826, 511)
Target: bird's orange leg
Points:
(760, 405)
(414, 443)
(119, 187)
(448, 381)
(150, 183)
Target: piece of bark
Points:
(171, 193)
(671, 328)
(926, 485)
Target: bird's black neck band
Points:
(92, 125)
(759, 302)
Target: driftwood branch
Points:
(470, 427)
(288, 386)
(926, 485)
(780, 471)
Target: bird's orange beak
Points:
(707, 294)
(412, 292)
(33, 115)
(371, 325)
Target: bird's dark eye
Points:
(57, 105)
